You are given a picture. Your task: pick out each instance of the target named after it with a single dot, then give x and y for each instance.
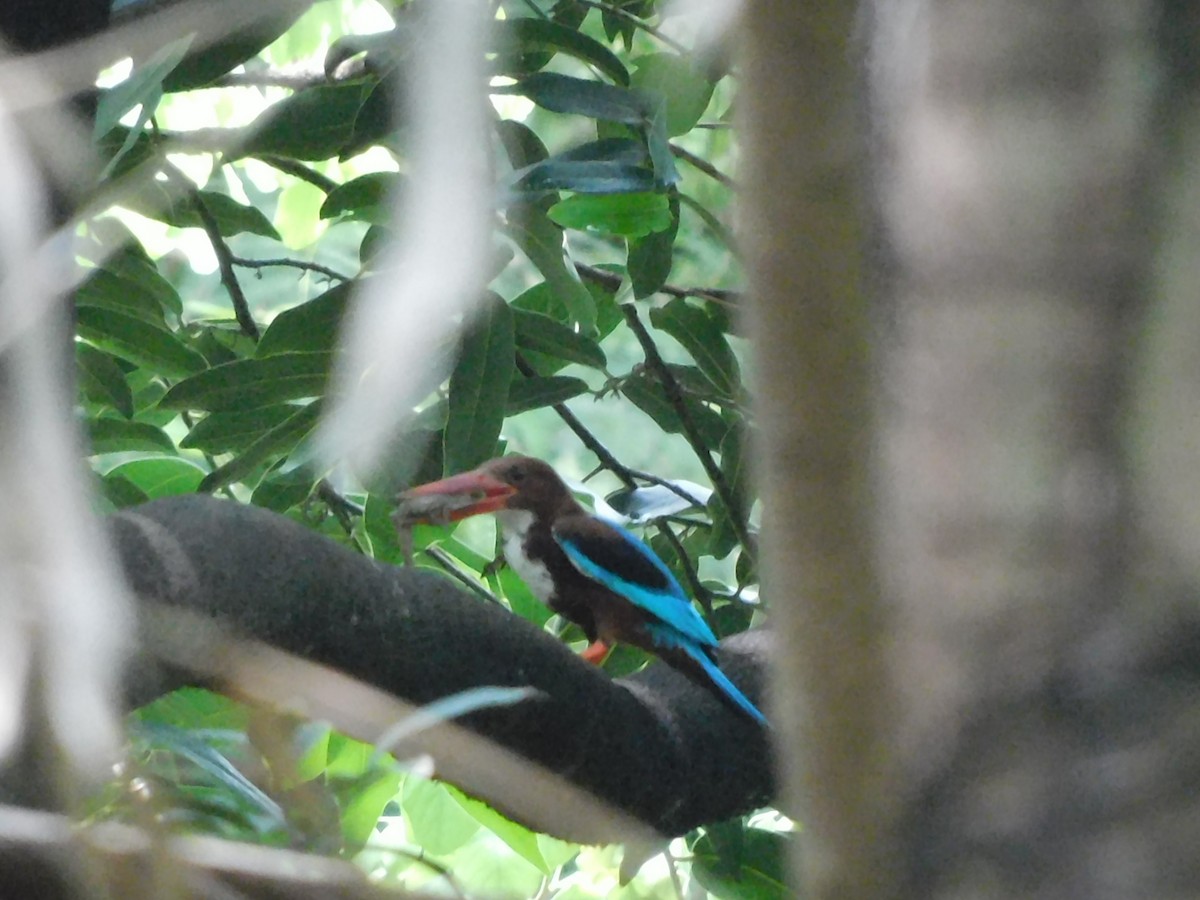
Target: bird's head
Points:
(505, 483)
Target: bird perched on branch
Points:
(590, 571)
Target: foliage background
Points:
(244, 193)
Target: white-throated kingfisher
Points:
(587, 570)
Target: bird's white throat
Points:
(514, 527)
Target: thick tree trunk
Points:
(1043, 727)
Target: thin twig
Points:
(703, 165)
(297, 82)
(613, 281)
(290, 263)
(637, 22)
(702, 594)
(675, 397)
(446, 562)
(241, 306)
(299, 170)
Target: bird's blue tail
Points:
(716, 676)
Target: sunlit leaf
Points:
(143, 86)
(628, 215)
(435, 819)
(367, 198)
(683, 86)
(161, 476)
(654, 500)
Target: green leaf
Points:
(582, 176)
(214, 60)
(138, 342)
(282, 491)
(102, 380)
(436, 822)
(156, 200)
(312, 124)
(647, 394)
(630, 215)
(479, 388)
(579, 96)
(279, 441)
(161, 476)
(143, 86)
(542, 242)
(660, 147)
(753, 871)
(522, 146)
(543, 34)
(651, 256)
(106, 290)
(703, 339)
(518, 837)
(131, 264)
(252, 383)
(311, 327)
(121, 492)
(363, 807)
(683, 86)
(109, 435)
(540, 333)
(228, 432)
(736, 470)
(367, 198)
(532, 393)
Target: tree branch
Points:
(702, 165)
(613, 282)
(288, 262)
(241, 306)
(675, 395)
(677, 759)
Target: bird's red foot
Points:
(595, 652)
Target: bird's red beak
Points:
(451, 499)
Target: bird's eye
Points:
(516, 474)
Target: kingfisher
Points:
(590, 571)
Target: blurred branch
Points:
(675, 396)
(297, 82)
(702, 165)
(225, 259)
(300, 171)
(288, 262)
(197, 567)
(637, 22)
(613, 282)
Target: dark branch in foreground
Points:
(653, 746)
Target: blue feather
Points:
(719, 678)
(666, 602)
